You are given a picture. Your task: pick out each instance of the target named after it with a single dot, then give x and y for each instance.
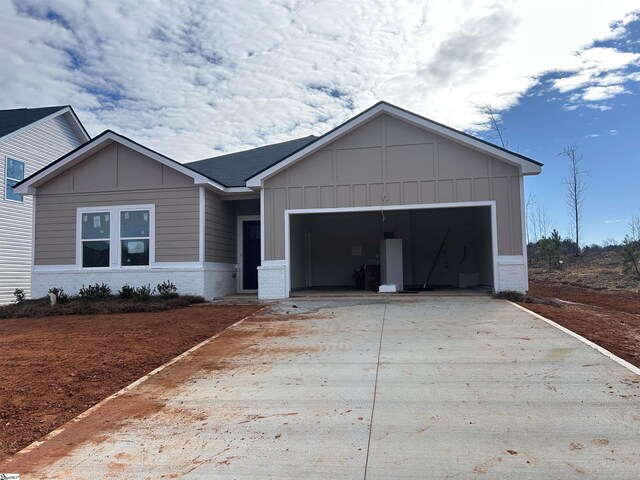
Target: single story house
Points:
(301, 214)
(30, 139)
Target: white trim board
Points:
(385, 208)
(526, 167)
(600, 349)
(240, 242)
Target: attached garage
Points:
(452, 203)
(444, 246)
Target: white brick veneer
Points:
(512, 276)
(211, 281)
(272, 281)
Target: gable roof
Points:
(233, 169)
(13, 120)
(28, 185)
(527, 165)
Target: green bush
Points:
(19, 294)
(61, 297)
(144, 292)
(127, 291)
(95, 291)
(167, 289)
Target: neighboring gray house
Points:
(295, 215)
(30, 139)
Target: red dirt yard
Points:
(610, 318)
(54, 368)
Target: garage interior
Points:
(439, 247)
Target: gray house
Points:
(30, 139)
(301, 214)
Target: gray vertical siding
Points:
(389, 162)
(117, 175)
(37, 147)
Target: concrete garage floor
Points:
(430, 387)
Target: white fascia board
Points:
(526, 167)
(28, 187)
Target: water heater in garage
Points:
(391, 262)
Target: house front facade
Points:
(30, 139)
(309, 213)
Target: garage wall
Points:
(387, 161)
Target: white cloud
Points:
(613, 132)
(592, 135)
(192, 78)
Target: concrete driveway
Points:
(413, 387)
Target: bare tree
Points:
(543, 221)
(539, 223)
(494, 121)
(575, 191)
(634, 227)
(528, 213)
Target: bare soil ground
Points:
(595, 270)
(54, 368)
(610, 318)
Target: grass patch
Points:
(518, 297)
(112, 304)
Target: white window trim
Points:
(115, 254)
(6, 177)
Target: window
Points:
(14, 173)
(134, 238)
(96, 235)
(116, 236)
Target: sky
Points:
(194, 79)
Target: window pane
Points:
(10, 194)
(95, 225)
(134, 224)
(135, 252)
(95, 254)
(15, 169)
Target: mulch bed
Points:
(54, 368)
(610, 319)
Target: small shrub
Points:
(144, 292)
(97, 290)
(167, 289)
(127, 291)
(19, 294)
(61, 297)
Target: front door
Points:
(250, 254)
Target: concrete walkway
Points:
(434, 387)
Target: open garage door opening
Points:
(437, 247)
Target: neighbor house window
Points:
(14, 173)
(119, 236)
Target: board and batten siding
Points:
(36, 146)
(117, 175)
(387, 161)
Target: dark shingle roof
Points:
(12, 120)
(233, 169)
